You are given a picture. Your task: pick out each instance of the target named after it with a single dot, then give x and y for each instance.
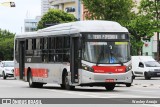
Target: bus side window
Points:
(44, 49)
(59, 49)
(26, 44)
(33, 44)
(16, 46)
(66, 49)
(30, 44)
(51, 45)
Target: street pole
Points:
(78, 9)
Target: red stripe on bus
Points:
(109, 69)
(36, 72)
(16, 71)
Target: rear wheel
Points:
(33, 84)
(110, 87)
(4, 76)
(66, 83)
(147, 76)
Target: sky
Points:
(12, 19)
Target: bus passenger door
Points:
(21, 58)
(75, 59)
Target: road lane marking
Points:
(101, 95)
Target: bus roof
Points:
(78, 26)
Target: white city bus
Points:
(82, 53)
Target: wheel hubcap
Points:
(30, 80)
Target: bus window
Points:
(51, 45)
(44, 49)
(33, 44)
(38, 44)
(29, 44)
(26, 44)
(59, 49)
(66, 49)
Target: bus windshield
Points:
(106, 52)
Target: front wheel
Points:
(4, 76)
(147, 76)
(66, 83)
(110, 87)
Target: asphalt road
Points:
(141, 88)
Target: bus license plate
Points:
(109, 80)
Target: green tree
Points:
(144, 24)
(6, 45)
(151, 9)
(141, 27)
(114, 10)
(54, 16)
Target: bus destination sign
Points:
(107, 36)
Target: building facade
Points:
(44, 6)
(70, 6)
(150, 47)
(30, 25)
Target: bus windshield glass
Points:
(106, 52)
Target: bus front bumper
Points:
(118, 78)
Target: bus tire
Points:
(30, 80)
(128, 84)
(147, 76)
(110, 87)
(4, 76)
(33, 84)
(66, 83)
(62, 86)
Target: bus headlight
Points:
(87, 68)
(129, 67)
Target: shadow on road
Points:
(7, 79)
(79, 89)
(137, 78)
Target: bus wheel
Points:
(147, 76)
(110, 87)
(62, 86)
(33, 84)
(4, 76)
(128, 84)
(66, 83)
(30, 81)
